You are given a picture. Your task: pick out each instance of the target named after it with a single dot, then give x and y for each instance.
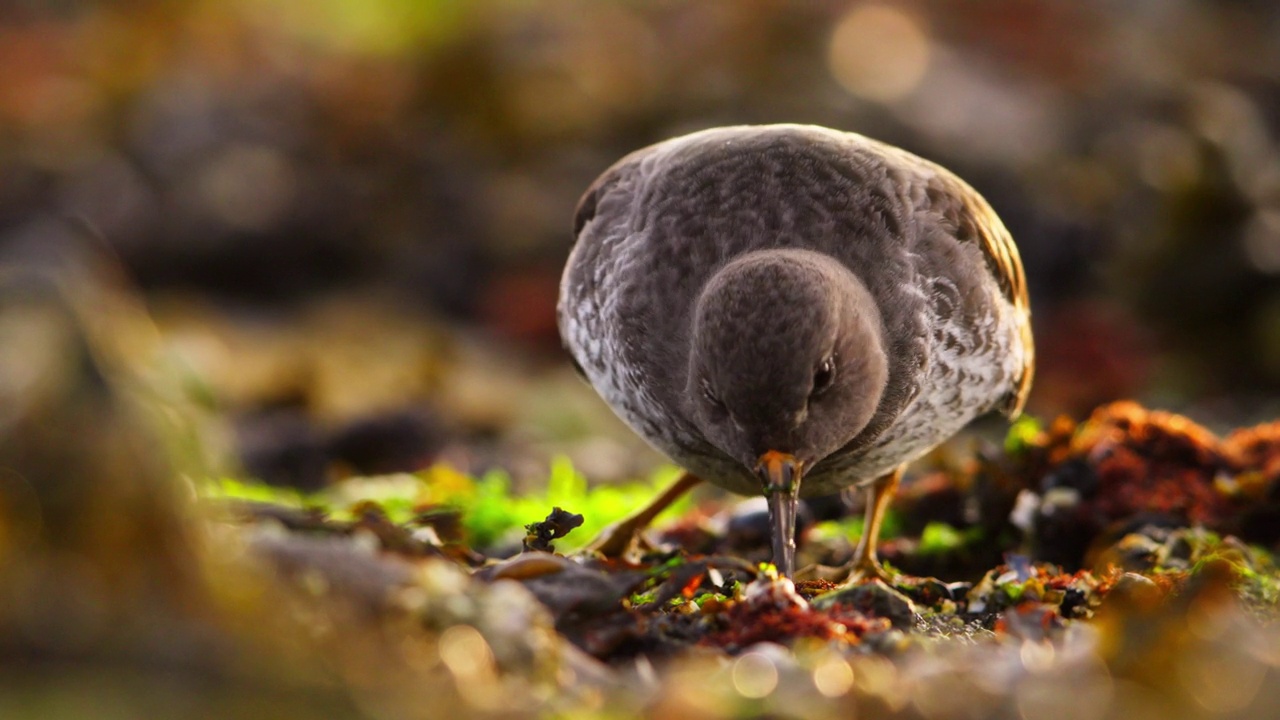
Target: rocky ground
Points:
(1118, 567)
(1123, 562)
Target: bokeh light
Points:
(754, 675)
(879, 52)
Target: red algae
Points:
(809, 589)
(1144, 461)
(745, 624)
(1256, 450)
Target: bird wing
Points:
(936, 191)
(971, 220)
(589, 201)
(624, 170)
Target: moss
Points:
(939, 538)
(491, 511)
(1026, 432)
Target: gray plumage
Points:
(714, 274)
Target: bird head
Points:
(787, 362)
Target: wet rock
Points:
(928, 591)
(334, 566)
(959, 590)
(390, 442)
(1138, 586)
(1134, 552)
(519, 631)
(1154, 547)
(874, 598)
(1074, 604)
(282, 446)
(566, 587)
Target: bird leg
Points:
(616, 539)
(865, 564)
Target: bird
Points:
(792, 310)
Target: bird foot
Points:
(625, 536)
(866, 570)
(620, 539)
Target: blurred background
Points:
(348, 217)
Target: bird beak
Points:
(780, 474)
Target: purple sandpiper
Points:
(793, 310)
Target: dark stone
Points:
(557, 524)
(873, 598)
(398, 441)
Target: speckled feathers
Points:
(940, 273)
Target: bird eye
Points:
(712, 398)
(823, 376)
